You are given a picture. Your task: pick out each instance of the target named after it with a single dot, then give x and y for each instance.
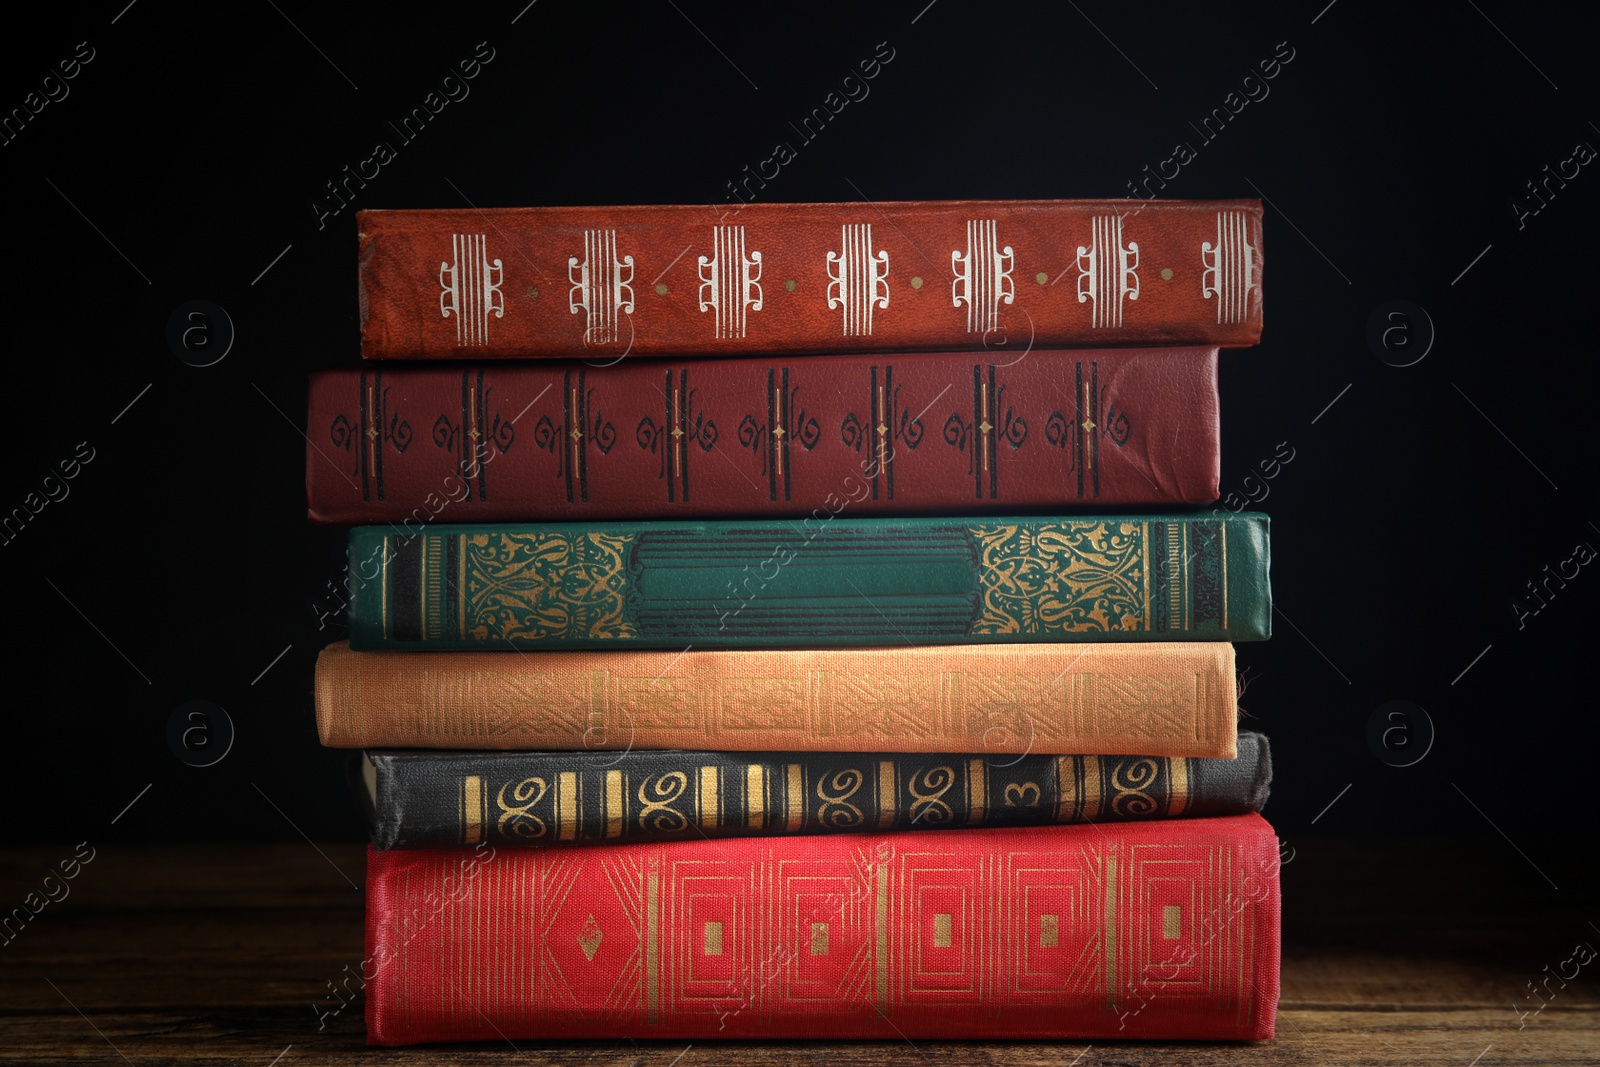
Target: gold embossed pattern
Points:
(1070, 578)
(544, 585)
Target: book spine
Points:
(1135, 930)
(821, 581)
(601, 283)
(461, 799)
(706, 437)
(1174, 699)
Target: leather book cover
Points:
(600, 283)
(455, 799)
(698, 438)
(1138, 930)
(825, 580)
(1166, 699)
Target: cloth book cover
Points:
(426, 799)
(1136, 930)
(969, 432)
(827, 580)
(1166, 699)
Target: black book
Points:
(435, 799)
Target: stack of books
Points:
(802, 622)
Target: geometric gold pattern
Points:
(1126, 929)
(819, 939)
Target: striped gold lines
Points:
(794, 806)
(430, 588)
(471, 809)
(881, 952)
(886, 795)
(1177, 785)
(1091, 788)
(755, 796)
(710, 795)
(881, 422)
(576, 433)
(652, 947)
(567, 806)
(1188, 592)
(1109, 944)
(461, 588)
(1149, 571)
(677, 434)
(615, 804)
(977, 792)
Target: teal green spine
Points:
(817, 582)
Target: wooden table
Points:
(1394, 952)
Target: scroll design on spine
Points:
(469, 289)
(516, 819)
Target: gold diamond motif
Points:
(372, 431)
(474, 434)
(1088, 425)
(882, 429)
(589, 938)
(576, 433)
(985, 425)
(777, 431)
(677, 431)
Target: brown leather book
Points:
(940, 431)
(599, 283)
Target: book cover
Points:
(1164, 699)
(599, 283)
(953, 432)
(423, 799)
(1138, 930)
(825, 580)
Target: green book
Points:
(811, 583)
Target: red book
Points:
(955, 432)
(1159, 930)
(601, 282)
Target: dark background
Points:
(1391, 149)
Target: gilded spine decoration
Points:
(554, 797)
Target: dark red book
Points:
(602, 282)
(874, 434)
(1158, 930)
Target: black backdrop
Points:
(183, 161)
